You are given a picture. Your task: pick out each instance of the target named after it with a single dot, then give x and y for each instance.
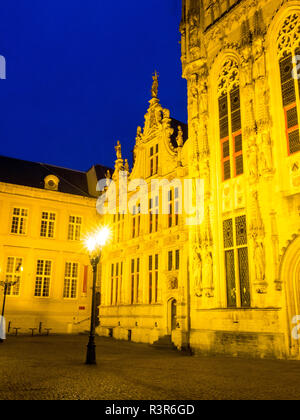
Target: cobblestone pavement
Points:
(47, 368)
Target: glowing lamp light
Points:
(102, 236)
(98, 240)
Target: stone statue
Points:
(198, 272)
(208, 279)
(154, 90)
(180, 137)
(259, 261)
(118, 150)
(266, 158)
(126, 166)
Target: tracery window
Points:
(230, 122)
(288, 48)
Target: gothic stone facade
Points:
(244, 109)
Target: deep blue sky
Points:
(79, 76)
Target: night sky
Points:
(79, 75)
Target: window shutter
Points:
(223, 116)
(235, 110)
(287, 81)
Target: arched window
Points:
(230, 121)
(288, 48)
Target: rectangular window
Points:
(112, 284)
(135, 280)
(75, 223)
(119, 223)
(116, 284)
(154, 160)
(43, 278)
(48, 225)
(13, 275)
(173, 207)
(136, 221)
(71, 280)
(153, 214)
(290, 88)
(236, 262)
(153, 278)
(174, 260)
(230, 124)
(19, 221)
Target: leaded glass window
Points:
(230, 122)
(236, 262)
(289, 55)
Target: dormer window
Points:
(51, 183)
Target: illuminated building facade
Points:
(45, 213)
(236, 288)
(230, 285)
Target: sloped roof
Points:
(32, 174)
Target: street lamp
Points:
(94, 245)
(8, 284)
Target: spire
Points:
(154, 90)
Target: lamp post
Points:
(8, 284)
(94, 245)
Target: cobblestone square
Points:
(52, 368)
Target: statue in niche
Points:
(266, 158)
(198, 272)
(259, 261)
(180, 137)
(259, 58)
(252, 159)
(208, 277)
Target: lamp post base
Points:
(91, 354)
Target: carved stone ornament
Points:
(172, 281)
(229, 78)
(289, 36)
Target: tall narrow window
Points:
(173, 207)
(135, 280)
(119, 223)
(19, 221)
(112, 284)
(230, 123)
(13, 274)
(71, 280)
(236, 262)
(153, 278)
(48, 225)
(174, 260)
(136, 221)
(154, 160)
(153, 214)
(74, 231)
(43, 278)
(288, 50)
